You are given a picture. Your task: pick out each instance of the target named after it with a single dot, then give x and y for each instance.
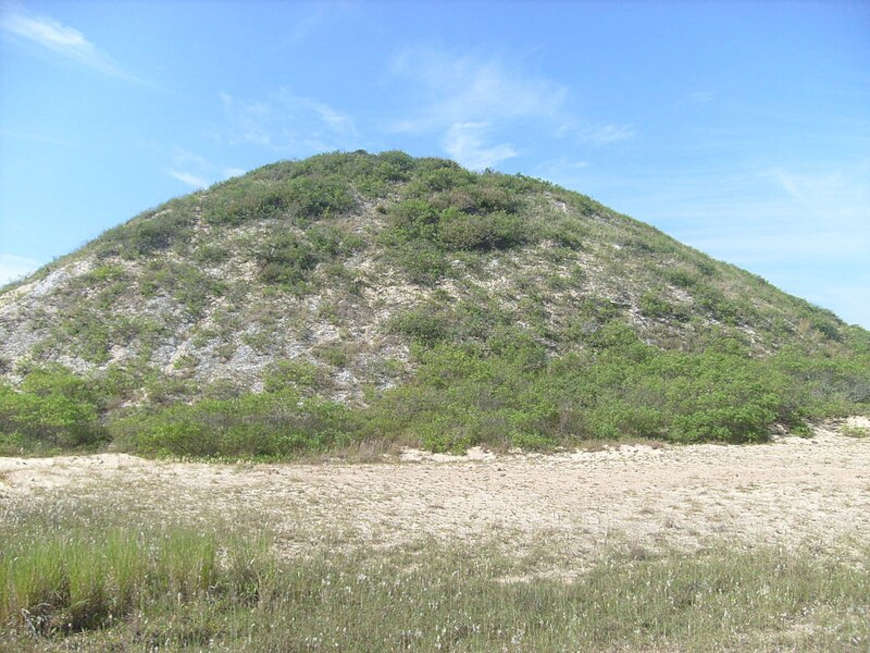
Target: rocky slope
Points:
(344, 261)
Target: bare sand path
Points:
(792, 490)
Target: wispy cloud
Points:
(196, 171)
(13, 267)
(286, 122)
(466, 89)
(464, 142)
(476, 102)
(61, 39)
(603, 134)
(190, 179)
(830, 195)
(806, 229)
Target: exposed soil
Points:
(792, 490)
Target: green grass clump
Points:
(151, 232)
(856, 431)
(66, 581)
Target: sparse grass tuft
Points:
(856, 431)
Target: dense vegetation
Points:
(511, 394)
(518, 314)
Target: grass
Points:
(92, 579)
(856, 431)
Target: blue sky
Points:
(740, 128)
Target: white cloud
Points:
(464, 142)
(461, 93)
(838, 195)
(66, 41)
(190, 179)
(604, 134)
(197, 171)
(13, 267)
(286, 122)
(464, 89)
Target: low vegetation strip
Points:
(146, 587)
(503, 393)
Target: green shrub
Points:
(297, 375)
(566, 232)
(275, 425)
(426, 324)
(680, 277)
(287, 259)
(653, 305)
(53, 409)
(300, 198)
(149, 232)
(424, 262)
(330, 242)
(498, 230)
(313, 198)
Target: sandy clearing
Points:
(793, 490)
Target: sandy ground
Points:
(793, 490)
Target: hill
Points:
(354, 297)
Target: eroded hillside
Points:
(343, 260)
(466, 307)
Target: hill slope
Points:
(353, 277)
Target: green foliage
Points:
(272, 425)
(150, 232)
(462, 396)
(190, 285)
(331, 242)
(446, 210)
(298, 196)
(464, 231)
(714, 302)
(286, 260)
(423, 261)
(296, 375)
(73, 580)
(210, 254)
(100, 275)
(313, 198)
(566, 231)
(52, 410)
(426, 324)
(653, 305)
